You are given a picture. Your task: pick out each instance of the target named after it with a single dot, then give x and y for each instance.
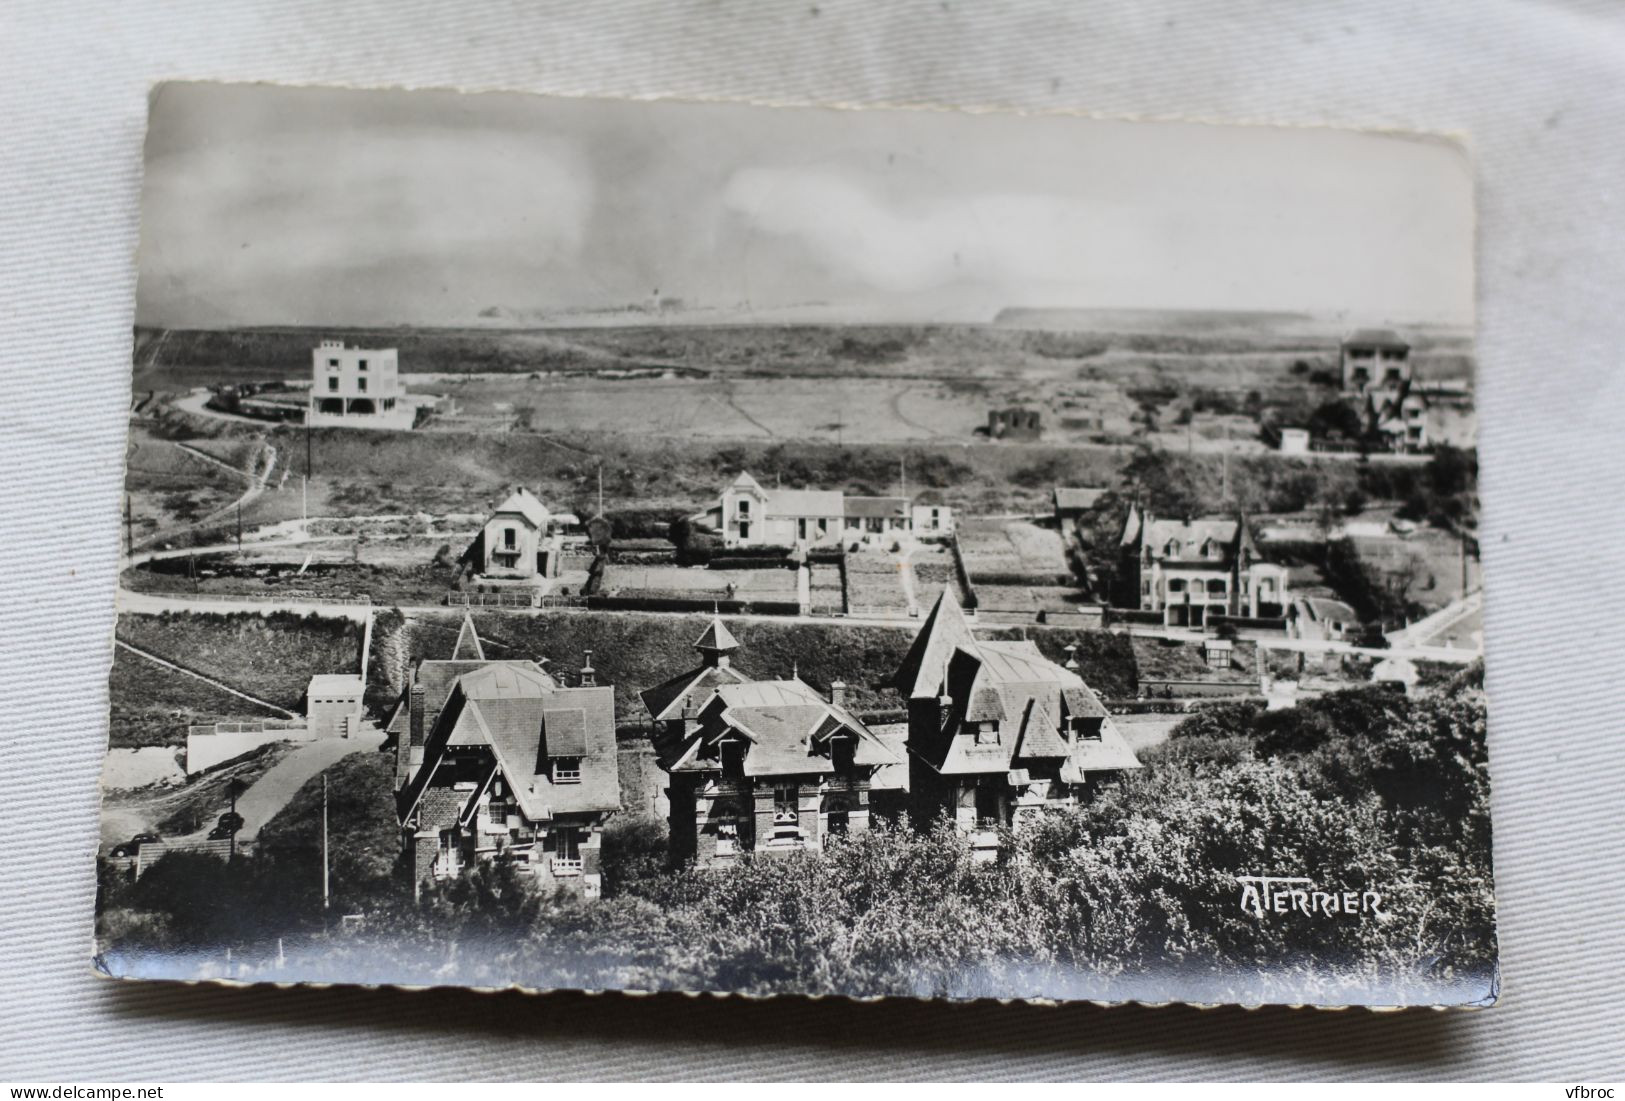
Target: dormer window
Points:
(567, 770)
(1171, 550)
(1084, 728)
(843, 753)
(987, 732)
(733, 759)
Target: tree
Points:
(1336, 419)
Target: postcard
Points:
(669, 546)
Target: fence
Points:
(253, 726)
(599, 602)
(513, 600)
(881, 611)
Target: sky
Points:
(265, 205)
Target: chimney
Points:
(589, 675)
(1072, 656)
(837, 693)
(412, 735)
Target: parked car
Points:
(231, 822)
(220, 833)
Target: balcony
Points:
(564, 866)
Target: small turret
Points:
(716, 644)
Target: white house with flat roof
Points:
(357, 388)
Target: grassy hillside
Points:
(363, 836)
(271, 657)
(151, 705)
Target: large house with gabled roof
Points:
(998, 733)
(1192, 569)
(749, 515)
(758, 766)
(497, 759)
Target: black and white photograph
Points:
(648, 545)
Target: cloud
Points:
(292, 216)
(1005, 239)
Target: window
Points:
(360, 365)
(361, 385)
(744, 529)
(801, 528)
(332, 385)
(508, 538)
(786, 821)
(498, 811)
(733, 759)
(843, 753)
(987, 807)
(389, 403)
(744, 508)
(1171, 550)
(1145, 588)
(567, 770)
(987, 733)
(1216, 585)
(1176, 584)
(566, 851)
(840, 818)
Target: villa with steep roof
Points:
(496, 759)
(763, 766)
(520, 542)
(998, 733)
(748, 515)
(1193, 569)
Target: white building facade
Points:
(357, 388)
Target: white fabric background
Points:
(1539, 87)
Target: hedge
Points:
(735, 562)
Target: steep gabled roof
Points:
(468, 647)
(944, 630)
(524, 503)
(745, 481)
(508, 708)
(665, 701)
(1008, 702)
(785, 725)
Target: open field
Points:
(863, 383)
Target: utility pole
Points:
(324, 841)
(307, 445)
(304, 505)
(239, 529)
(902, 476)
(600, 489)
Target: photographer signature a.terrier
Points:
(1262, 895)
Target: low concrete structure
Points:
(333, 709)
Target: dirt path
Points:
(897, 411)
(156, 660)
